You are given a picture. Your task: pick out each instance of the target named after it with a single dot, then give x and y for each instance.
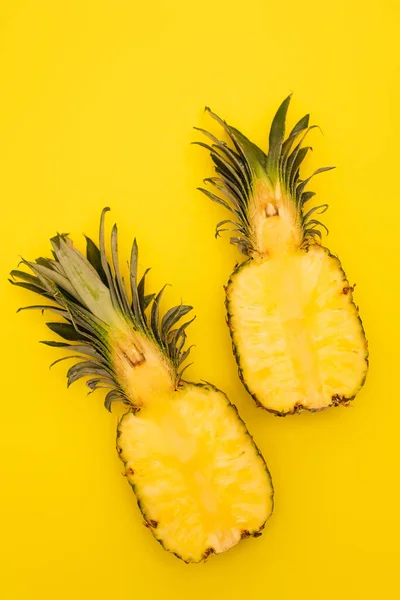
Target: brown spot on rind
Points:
(340, 400)
(207, 552)
(348, 289)
(245, 533)
(151, 524)
(257, 534)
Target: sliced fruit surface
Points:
(297, 336)
(296, 331)
(200, 481)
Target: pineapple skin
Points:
(152, 525)
(335, 400)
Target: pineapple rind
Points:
(153, 525)
(335, 401)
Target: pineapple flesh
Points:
(200, 481)
(296, 332)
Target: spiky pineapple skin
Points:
(335, 401)
(153, 525)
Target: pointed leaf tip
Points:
(276, 137)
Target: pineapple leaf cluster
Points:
(88, 315)
(240, 165)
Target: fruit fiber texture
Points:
(200, 481)
(297, 336)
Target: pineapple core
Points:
(274, 221)
(142, 370)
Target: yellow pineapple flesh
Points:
(296, 331)
(193, 467)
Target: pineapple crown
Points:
(240, 167)
(91, 297)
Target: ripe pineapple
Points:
(200, 481)
(296, 333)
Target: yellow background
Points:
(97, 104)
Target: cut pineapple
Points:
(194, 468)
(200, 481)
(297, 337)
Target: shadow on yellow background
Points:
(97, 105)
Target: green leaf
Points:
(56, 278)
(64, 358)
(43, 307)
(318, 209)
(178, 341)
(96, 383)
(155, 318)
(185, 354)
(217, 199)
(221, 186)
(31, 288)
(142, 296)
(104, 261)
(113, 396)
(85, 282)
(66, 331)
(45, 262)
(136, 307)
(26, 277)
(94, 258)
(306, 196)
(315, 222)
(221, 146)
(251, 154)
(180, 374)
(55, 344)
(300, 126)
(313, 233)
(229, 174)
(84, 369)
(120, 287)
(303, 184)
(172, 316)
(147, 299)
(298, 158)
(276, 137)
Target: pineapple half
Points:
(297, 336)
(200, 480)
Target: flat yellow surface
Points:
(97, 104)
